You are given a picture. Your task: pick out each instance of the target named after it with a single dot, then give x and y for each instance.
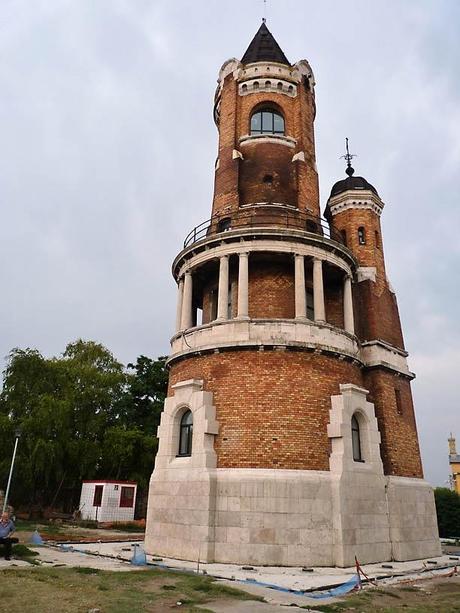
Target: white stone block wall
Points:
(413, 525)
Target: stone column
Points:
(180, 296)
(300, 292)
(318, 290)
(348, 306)
(187, 314)
(243, 287)
(222, 299)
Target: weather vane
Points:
(348, 157)
(264, 18)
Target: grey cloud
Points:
(108, 147)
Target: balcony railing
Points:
(263, 218)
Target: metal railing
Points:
(263, 217)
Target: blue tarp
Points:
(139, 558)
(340, 590)
(36, 539)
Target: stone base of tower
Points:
(279, 516)
(289, 518)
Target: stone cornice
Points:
(352, 199)
(263, 239)
(278, 139)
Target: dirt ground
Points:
(90, 590)
(66, 533)
(440, 595)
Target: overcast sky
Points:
(107, 147)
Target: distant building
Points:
(454, 461)
(108, 501)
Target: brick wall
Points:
(240, 181)
(333, 301)
(377, 314)
(271, 289)
(267, 174)
(272, 406)
(371, 253)
(400, 449)
(226, 176)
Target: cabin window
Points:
(127, 497)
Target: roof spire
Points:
(264, 18)
(348, 157)
(264, 48)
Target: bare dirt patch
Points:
(440, 595)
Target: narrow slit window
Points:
(356, 440)
(213, 304)
(377, 240)
(399, 407)
(310, 304)
(186, 433)
(361, 235)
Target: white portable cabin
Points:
(108, 500)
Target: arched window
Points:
(280, 85)
(267, 121)
(244, 88)
(356, 440)
(185, 436)
(256, 84)
(361, 235)
(224, 224)
(268, 84)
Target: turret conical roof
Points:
(264, 48)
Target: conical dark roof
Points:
(264, 48)
(351, 183)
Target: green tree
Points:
(448, 511)
(82, 416)
(146, 393)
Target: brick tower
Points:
(288, 435)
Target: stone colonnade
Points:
(184, 313)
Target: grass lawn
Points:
(69, 590)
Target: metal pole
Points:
(11, 474)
